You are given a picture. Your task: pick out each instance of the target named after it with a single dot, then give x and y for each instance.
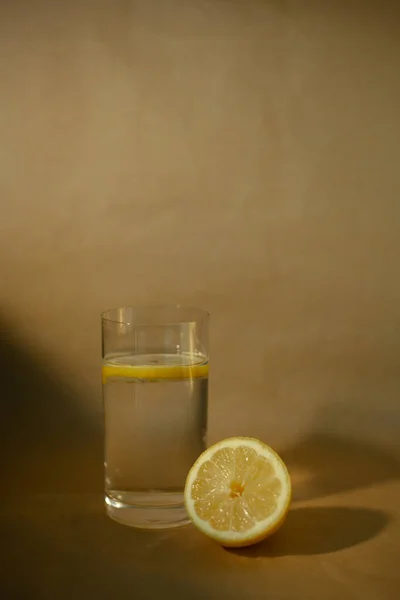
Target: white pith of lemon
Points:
(238, 492)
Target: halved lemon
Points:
(238, 492)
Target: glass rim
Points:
(138, 307)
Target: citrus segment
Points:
(238, 491)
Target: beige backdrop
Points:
(241, 156)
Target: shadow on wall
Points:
(352, 441)
(325, 462)
(47, 442)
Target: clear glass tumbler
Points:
(155, 392)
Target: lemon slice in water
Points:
(153, 372)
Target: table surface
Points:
(333, 545)
(340, 541)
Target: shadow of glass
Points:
(46, 569)
(49, 444)
(320, 530)
(63, 546)
(321, 465)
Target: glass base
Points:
(147, 516)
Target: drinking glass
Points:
(155, 392)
